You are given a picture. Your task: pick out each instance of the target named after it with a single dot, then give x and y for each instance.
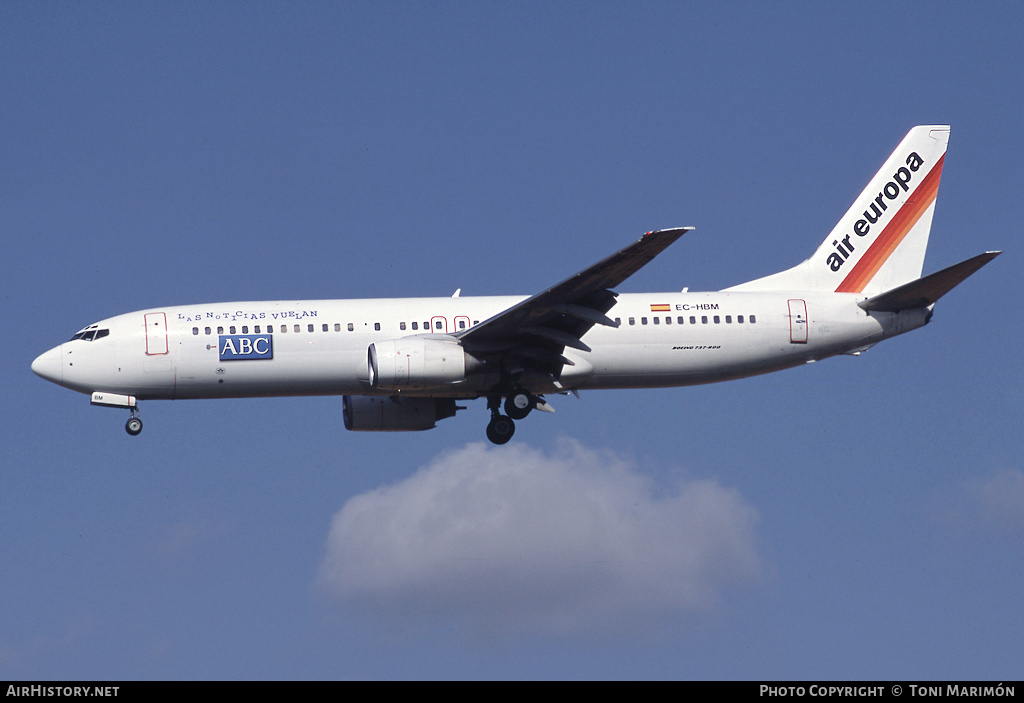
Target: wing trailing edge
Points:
(538, 329)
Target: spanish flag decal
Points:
(661, 308)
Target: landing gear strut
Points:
(134, 424)
(501, 428)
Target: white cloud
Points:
(510, 539)
(1001, 499)
(987, 508)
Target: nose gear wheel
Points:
(134, 424)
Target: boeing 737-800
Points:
(404, 364)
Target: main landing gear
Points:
(500, 429)
(518, 405)
(134, 424)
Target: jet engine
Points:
(418, 362)
(394, 414)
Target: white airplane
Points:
(403, 364)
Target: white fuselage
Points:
(402, 364)
(319, 347)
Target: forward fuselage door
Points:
(156, 333)
(798, 321)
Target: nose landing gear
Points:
(117, 400)
(134, 424)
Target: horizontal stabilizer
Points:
(925, 291)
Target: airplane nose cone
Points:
(48, 366)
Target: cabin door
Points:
(156, 333)
(798, 322)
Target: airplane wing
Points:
(535, 332)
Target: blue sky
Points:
(857, 518)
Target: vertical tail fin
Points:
(880, 242)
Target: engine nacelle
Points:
(394, 414)
(416, 362)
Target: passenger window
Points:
(298, 328)
(324, 328)
(643, 320)
(309, 328)
(680, 319)
(208, 330)
(704, 319)
(231, 329)
(195, 330)
(220, 330)
(462, 324)
(337, 327)
(693, 320)
(739, 319)
(728, 319)
(351, 327)
(376, 326)
(668, 320)
(415, 325)
(256, 329)
(284, 329)
(245, 329)
(618, 320)
(426, 325)
(657, 320)
(753, 319)
(717, 319)
(439, 325)
(632, 320)
(401, 325)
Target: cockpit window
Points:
(90, 334)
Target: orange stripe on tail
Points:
(886, 242)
